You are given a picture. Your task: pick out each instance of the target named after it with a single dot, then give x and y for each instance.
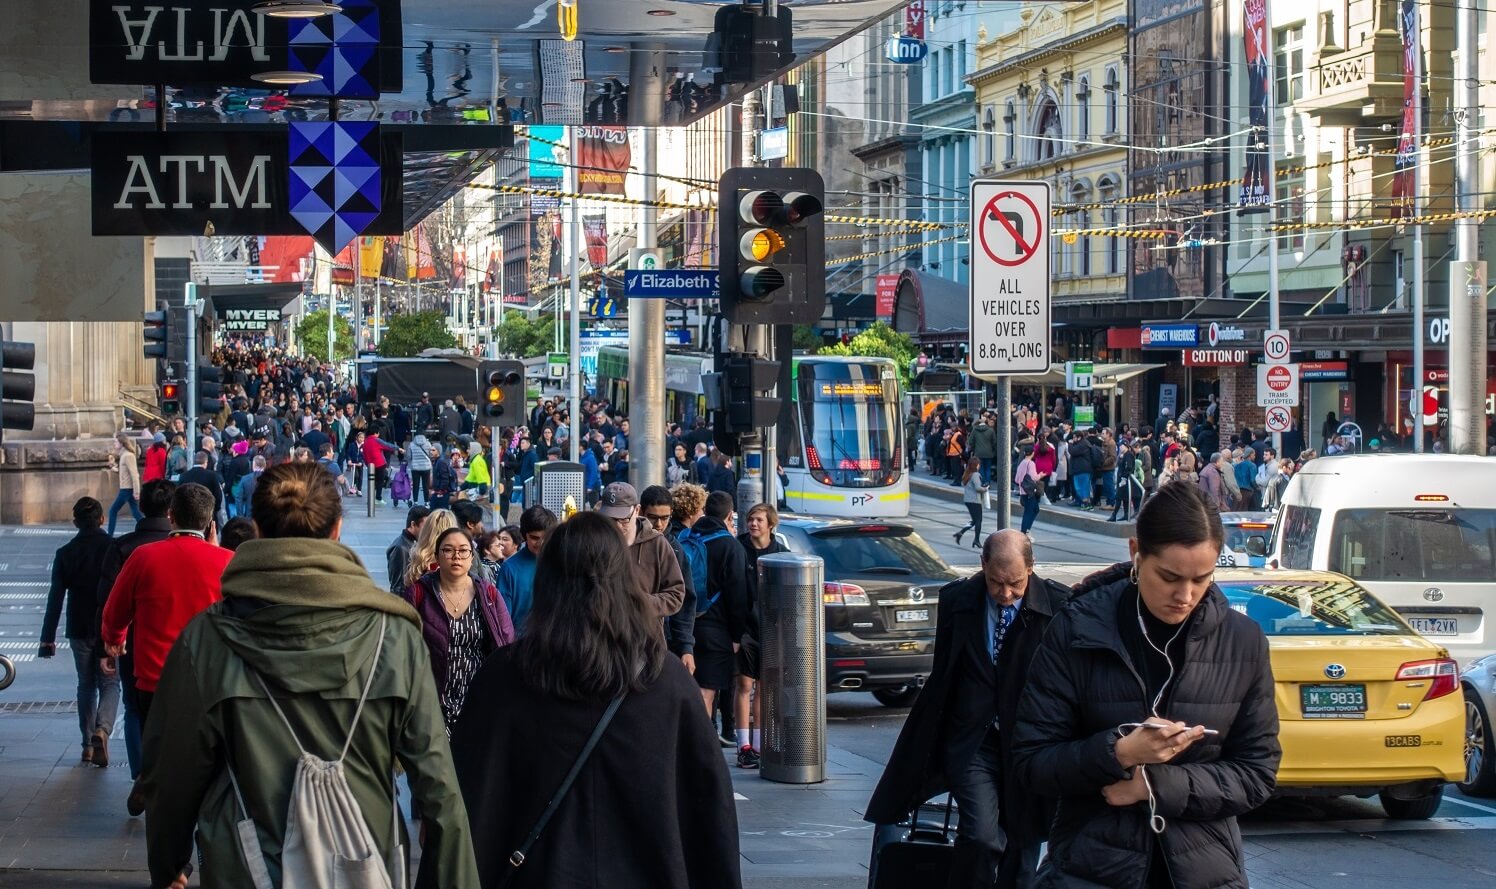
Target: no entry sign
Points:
(1278, 385)
(1009, 277)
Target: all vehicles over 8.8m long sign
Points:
(1009, 277)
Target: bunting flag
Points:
(335, 185)
(1406, 160)
(1256, 183)
(595, 226)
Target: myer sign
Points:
(250, 319)
(175, 183)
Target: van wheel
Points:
(1417, 809)
(1480, 767)
(902, 696)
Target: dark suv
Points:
(882, 586)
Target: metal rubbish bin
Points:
(554, 481)
(792, 677)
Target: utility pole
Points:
(574, 414)
(1274, 315)
(647, 343)
(1415, 39)
(190, 300)
(1467, 276)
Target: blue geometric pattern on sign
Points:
(342, 47)
(335, 183)
(673, 283)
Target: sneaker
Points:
(101, 748)
(747, 758)
(727, 743)
(135, 804)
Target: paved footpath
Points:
(64, 824)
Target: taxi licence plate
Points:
(1435, 626)
(914, 614)
(1341, 701)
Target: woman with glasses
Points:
(463, 619)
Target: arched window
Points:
(1112, 90)
(1010, 140)
(1048, 128)
(1080, 195)
(1083, 109)
(1109, 193)
(989, 137)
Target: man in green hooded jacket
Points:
(302, 613)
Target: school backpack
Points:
(327, 844)
(694, 547)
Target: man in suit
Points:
(958, 739)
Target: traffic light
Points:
(743, 379)
(773, 245)
(17, 388)
(501, 386)
(157, 333)
(171, 397)
(209, 388)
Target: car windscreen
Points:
(1415, 544)
(877, 552)
(1334, 608)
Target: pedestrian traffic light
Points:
(209, 387)
(773, 245)
(157, 333)
(743, 379)
(171, 397)
(501, 385)
(17, 389)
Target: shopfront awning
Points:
(1103, 376)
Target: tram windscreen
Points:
(851, 427)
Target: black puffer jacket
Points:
(1083, 685)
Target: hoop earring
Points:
(1133, 574)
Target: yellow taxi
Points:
(1365, 704)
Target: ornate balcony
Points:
(1355, 87)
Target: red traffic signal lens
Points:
(798, 206)
(760, 207)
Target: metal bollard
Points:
(793, 668)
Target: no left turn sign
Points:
(1010, 228)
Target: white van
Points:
(1418, 530)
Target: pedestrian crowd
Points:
(1093, 466)
(271, 688)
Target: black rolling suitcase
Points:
(916, 852)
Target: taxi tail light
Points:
(834, 593)
(1443, 673)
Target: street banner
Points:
(459, 268)
(914, 19)
(241, 181)
(357, 50)
(595, 229)
(493, 277)
(1407, 141)
(546, 147)
(1257, 179)
(887, 296)
(603, 159)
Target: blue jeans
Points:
(1082, 483)
(1030, 511)
(1109, 486)
(987, 463)
(125, 496)
(98, 693)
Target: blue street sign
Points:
(674, 283)
(905, 50)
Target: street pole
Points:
(647, 344)
(1418, 283)
(574, 415)
(1467, 278)
(190, 300)
(1274, 316)
(1002, 481)
(358, 298)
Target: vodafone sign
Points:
(1278, 385)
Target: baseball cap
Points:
(618, 500)
(260, 432)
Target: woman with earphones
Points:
(1149, 713)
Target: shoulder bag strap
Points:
(517, 858)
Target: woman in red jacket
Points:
(155, 460)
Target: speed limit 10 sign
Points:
(1275, 346)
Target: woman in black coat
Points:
(1155, 643)
(653, 804)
